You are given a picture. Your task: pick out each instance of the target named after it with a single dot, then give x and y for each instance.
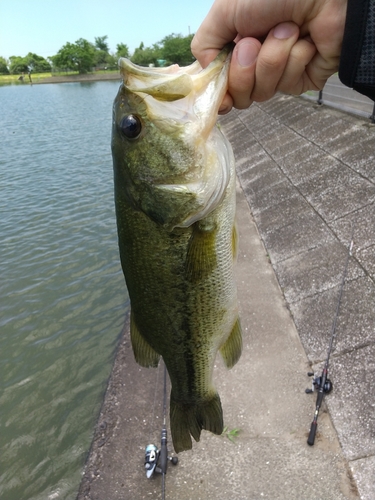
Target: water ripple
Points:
(63, 293)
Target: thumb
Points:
(320, 69)
(204, 56)
(214, 33)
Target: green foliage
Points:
(31, 62)
(176, 49)
(103, 59)
(3, 66)
(111, 62)
(83, 56)
(37, 63)
(78, 56)
(18, 65)
(144, 56)
(173, 49)
(122, 50)
(231, 434)
(101, 44)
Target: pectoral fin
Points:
(231, 349)
(201, 255)
(144, 354)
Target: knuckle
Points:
(269, 63)
(194, 47)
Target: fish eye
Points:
(131, 126)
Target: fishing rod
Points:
(323, 384)
(156, 460)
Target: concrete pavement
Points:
(309, 177)
(306, 174)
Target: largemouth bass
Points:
(175, 202)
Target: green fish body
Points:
(175, 202)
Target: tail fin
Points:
(188, 420)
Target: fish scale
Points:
(174, 182)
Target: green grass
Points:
(231, 434)
(10, 79)
(37, 77)
(13, 79)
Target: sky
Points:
(44, 26)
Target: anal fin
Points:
(232, 348)
(144, 354)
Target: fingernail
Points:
(247, 53)
(284, 30)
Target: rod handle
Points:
(311, 438)
(163, 458)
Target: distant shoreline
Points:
(91, 77)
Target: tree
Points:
(122, 50)
(173, 49)
(78, 56)
(3, 66)
(18, 65)
(101, 44)
(37, 63)
(31, 62)
(104, 60)
(101, 58)
(144, 56)
(176, 49)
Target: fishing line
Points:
(153, 419)
(323, 384)
(156, 460)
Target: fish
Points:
(175, 201)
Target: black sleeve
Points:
(357, 61)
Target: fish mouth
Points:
(181, 94)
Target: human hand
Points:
(300, 53)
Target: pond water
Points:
(62, 293)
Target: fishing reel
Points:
(317, 383)
(152, 455)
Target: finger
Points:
(320, 69)
(216, 30)
(272, 60)
(242, 71)
(254, 18)
(226, 105)
(295, 79)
